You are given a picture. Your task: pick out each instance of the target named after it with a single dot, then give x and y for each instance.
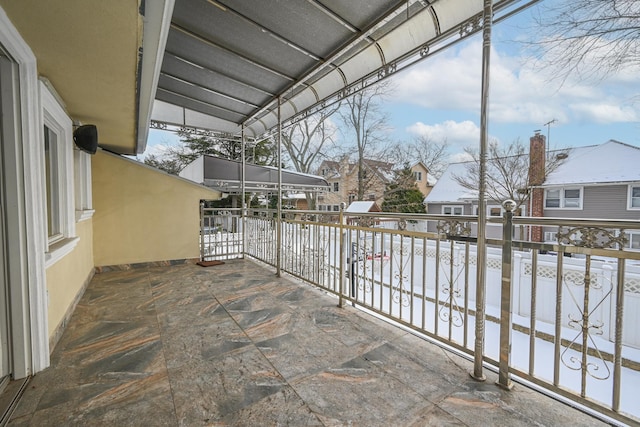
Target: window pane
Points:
(457, 211)
(571, 198)
(571, 194)
(634, 241)
(494, 212)
(552, 199)
(635, 197)
(51, 177)
(446, 210)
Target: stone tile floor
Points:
(234, 345)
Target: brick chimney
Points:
(537, 160)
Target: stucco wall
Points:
(66, 277)
(143, 214)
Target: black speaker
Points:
(86, 138)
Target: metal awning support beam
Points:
(279, 219)
(482, 202)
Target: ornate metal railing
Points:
(560, 314)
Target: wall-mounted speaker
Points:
(86, 138)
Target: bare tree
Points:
(305, 142)
(423, 149)
(507, 171)
(366, 122)
(591, 38)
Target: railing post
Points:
(243, 205)
(505, 296)
(342, 245)
(201, 231)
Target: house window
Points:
(352, 198)
(336, 208)
(336, 186)
(634, 197)
(494, 211)
(52, 185)
(323, 172)
(563, 198)
(452, 210)
(57, 147)
(82, 173)
(634, 241)
(552, 199)
(418, 176)
(372, 196)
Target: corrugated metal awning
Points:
(226, 176)
(227, 63)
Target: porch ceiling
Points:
(227, 62)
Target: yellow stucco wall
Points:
(66, 277)
(143, 214)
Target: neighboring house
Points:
(424, 181)
(342, 177)
(600, 181)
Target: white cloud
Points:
(519, 92)
(457, 134)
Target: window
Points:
(57, 147)
(563, 198)
(418, 176)
(634, 197)
(336, 186)
(52, 185)
(634, 241)
(336, 208)
(323, 172)
(372, 196)
(352, 198)
(494, 210)
(571, 198)
(552, 199)
(82, 173)
(452, 210)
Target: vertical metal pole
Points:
(341, 246)
(279, 214)
(202, 231)
(242, 192)
(505, 296)
(482, 203)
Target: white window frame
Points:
(335, 187)
(417, 176)
(563, 199)
(633, 236)
(453, 209)
(56, 119)
(630, 197)
(83, 196)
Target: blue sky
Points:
(440, 98)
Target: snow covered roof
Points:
(362, 207)
(447, 189)
(610, 162)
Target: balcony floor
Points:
(234, 345)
